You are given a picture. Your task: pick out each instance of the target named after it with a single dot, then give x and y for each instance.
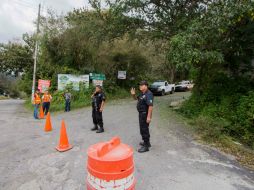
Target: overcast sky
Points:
(17, 16)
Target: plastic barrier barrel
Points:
(110, 166)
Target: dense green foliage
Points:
(221, 55)
(15, 58)
(210, 42)
(9, 86)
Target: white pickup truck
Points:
(162, 88)
(184, 86)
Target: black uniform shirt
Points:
(97, 100)
(144, 101)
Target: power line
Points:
(32, 7)
(22, 6)
(44, 9)
(25, 4)
(29, 2)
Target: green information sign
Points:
(95, 76)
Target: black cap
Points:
(143, 82)
(99, 86)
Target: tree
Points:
(15, 58)
(152, 20)
(162, 19)
(219, 48)
(221, 41)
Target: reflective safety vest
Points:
(47, 98)
(37, 99)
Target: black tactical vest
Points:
(97, 100)
(142, 105)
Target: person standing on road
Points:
(145, 108)
(46, 98)
(36, 102)
(67, 97)
(98, 102)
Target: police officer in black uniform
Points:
(145, 108)
(98, 102)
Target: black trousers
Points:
(67, 105)
(45, 107)
(144, 127)
(97, 118)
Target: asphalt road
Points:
(29, 161)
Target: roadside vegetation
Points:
(213, 130)
(3, 98)
(79, 99)
(209, 42)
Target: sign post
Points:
(74, 80)
(97, 78)
(43, 85)
(121, 75)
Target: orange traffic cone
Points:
(63, 141)
(48, 126)
(41, 113)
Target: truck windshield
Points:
(158, 84)
(183, 82)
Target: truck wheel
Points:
(172, 91)
(163, 92)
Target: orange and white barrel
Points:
(110, 166)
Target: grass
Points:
(243, 155)
(3, 98)
(209, 131)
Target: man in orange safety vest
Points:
(46, 98)
(36, 103)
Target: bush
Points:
(81, 98)
(210, 129)
(190, 108)
(111, 86)
(231, 115)
(244, 119)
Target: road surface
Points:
(29, 161)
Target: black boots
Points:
(94, 128)
(100, 130)
(143, 149)
(147, 144)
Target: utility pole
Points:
(36, 51)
